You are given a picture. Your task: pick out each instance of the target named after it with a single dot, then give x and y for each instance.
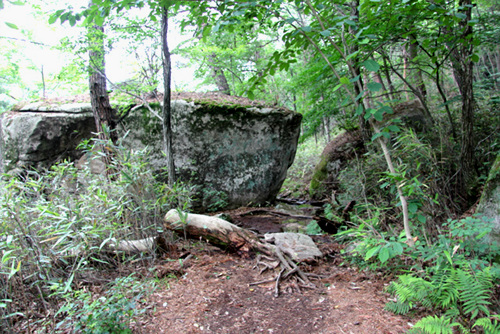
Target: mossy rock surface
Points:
(334, 159)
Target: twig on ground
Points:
(262, 282)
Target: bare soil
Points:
(214, 295)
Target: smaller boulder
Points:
(299, 247)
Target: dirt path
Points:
(213, 296)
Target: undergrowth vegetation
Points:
(59, 231)
(453, 269)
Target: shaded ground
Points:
(213, 295)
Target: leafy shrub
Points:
(58, 224)
(110, 313)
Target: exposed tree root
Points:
(289, 270)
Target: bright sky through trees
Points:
(35, 40)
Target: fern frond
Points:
(398, 307)
(489, 326)
(475, 292)
(433, 325)
(446, 294)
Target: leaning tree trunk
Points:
(101, 108)
(167, 108)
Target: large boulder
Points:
(233, 154)
(489, 204)
(334, 158)
(38, 135)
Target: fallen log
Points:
(217, 231)
(286, 251)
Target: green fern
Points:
(433, 325)
(398, 307)
(410, 290)
(475, 291)
(489, 326)
(461, 295)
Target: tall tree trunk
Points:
(415, 72)
(167, 109)
(218, 75)
(358, 86)
(463, 71)
(101, 108)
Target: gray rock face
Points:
(233, 155)
(39, 135)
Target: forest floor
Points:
(200, 288)
(212, 294)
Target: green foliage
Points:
(460, 293)
(110, 313)
(59, 224)
(313, 228)
(214, 200)
(434, 325)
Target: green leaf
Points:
(371, 65)
(1, 4)
(371, 252)
(326, 33)
(397, 248)
(356, 78)
(306, 29)
(374, 86)
(383, 255)
(359, 110)
(393, 128)
(344, 81)
(52, 19)
(412, 208)
(379, 115)
(11, 25)
(475, 58)
(336, 88)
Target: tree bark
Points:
(99, 98)
(463, 70)
(415, 72)
(166, 108)
(218, 75)
(216, 231)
